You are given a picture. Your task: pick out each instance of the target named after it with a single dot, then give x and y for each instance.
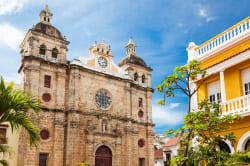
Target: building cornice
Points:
(97, 113)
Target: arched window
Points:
(247, 146)
(54, 53)
(42, 50)
(143, 78)
(135, 77)
(224, 147)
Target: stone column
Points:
(222, 87)
(194, 99)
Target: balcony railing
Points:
(53, 60)
(230, 34)
(43, 56)
(239, 106)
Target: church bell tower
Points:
(44, 74)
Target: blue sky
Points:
(161, 29)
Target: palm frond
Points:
(16, 107)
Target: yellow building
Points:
(9, 138)
(226, 58)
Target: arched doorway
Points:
(243, 144)
(224, 147)
(103, 156)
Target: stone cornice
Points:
(31, 57)
(101, 114)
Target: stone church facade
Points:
(92, 108)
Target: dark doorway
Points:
(43, 157)
(103, 156)
(247, 146)
(141, 161)
(224, 147)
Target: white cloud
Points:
(174, 105)
(10, 36)
(208, 19)
(163, 116)
(203, 13)
(9, 6)
(12, 78)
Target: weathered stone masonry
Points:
(75, 121)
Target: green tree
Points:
(84, 163)
(16, 107)
(180, 81)
(238, 158)
(205, 126)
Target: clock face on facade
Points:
(102, 62)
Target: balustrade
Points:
(225, 37)
(240, 106)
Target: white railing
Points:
(239, 106)
(53, 60)
(225, 37)
(43, 56)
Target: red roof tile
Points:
(173, 141)
(158, 153)
(166, 150)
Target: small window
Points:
(48, 19)
(44, 134)
(143, 78)
(44, 18)
(98, 49)
(135, 77)
(54, 53)
(141, 161)
(140, 114)
(215, 98)
(218, 98)
(141, 143)
(46, 97)
(47, 81)
(3, 139)
(102, 51)
(42, 50)
(140, 102)
(107, 52)
(168, 157)
(43, 159)
(212, 98)
(247, 88)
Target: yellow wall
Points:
(12, 141)
(233, 85)
(226, 54)
(239, 129)
(202, 92)
(233, 82)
